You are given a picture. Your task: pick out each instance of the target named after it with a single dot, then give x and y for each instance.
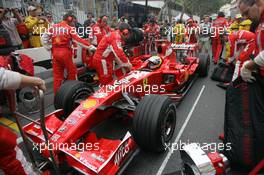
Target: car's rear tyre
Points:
(154, 122)
(204, 64)
(70, 92)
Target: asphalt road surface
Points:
(200, 119)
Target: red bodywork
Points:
(105, 156)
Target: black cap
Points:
(221, 14)
(69, 14)
(122, 26)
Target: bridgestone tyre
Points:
(69, 92)
(204, 64)
(154, 122)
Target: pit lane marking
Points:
(165, 161)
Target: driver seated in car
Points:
(154, 62)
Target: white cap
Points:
(31, 8)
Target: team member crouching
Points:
(243, 45)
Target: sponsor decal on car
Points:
(89, 103)
(86, 163)
(79, 114)
(71, 121)
(62, 129)
(138, 74)
(100, 95)
(37, 126)
(96, 157)
(127, 80)
(183, 46)
(55, 137)
(122, 151)
(32, 132)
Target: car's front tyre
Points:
(69, 93)
(154, 122)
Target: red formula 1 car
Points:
(143, 100)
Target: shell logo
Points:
(77, 155)
(89, 103)
(145, 84)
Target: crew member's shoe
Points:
(223, 85)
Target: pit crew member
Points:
(99, 30)
(110, 50)
(220, 24)
(254, 10)
(151, 33)
(61, 42)
(191, 31)
(243, 45)
(152, 29)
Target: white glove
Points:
(246, 74)
(92, 48)
(127, 65)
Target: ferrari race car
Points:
(143, 100)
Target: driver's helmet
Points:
(154, 62)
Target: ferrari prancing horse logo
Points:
(145, 84)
